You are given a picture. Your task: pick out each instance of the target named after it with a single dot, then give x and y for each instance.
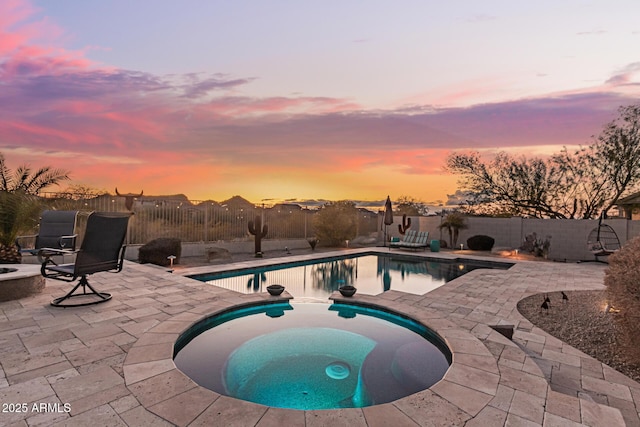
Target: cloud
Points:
(592, 33)
(200, 87)
(628, 76)
(458, 198)
(478, 18)
(155, 118)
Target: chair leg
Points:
(102, 296)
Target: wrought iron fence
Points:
(196, 221)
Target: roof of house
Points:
(632, 199)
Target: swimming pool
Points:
(371, 274)
(312, 356)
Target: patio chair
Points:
(102, 249)
(57, 231)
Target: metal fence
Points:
(196, 221)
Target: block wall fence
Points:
(568, 236)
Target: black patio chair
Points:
(102, 249)
(57, 231)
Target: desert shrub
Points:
(622, 278)
(535, 246)
(158, 250)
(336, 222)
(480, 242)
(622, 281)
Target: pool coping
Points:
(152, 357)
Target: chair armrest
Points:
(20, 238)
(71, 239)
(49, 252)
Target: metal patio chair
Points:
(102, 249)
(57, 231)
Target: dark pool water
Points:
(312, 356)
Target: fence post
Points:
(204, 224)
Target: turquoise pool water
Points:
(371, 274)
(312, 356)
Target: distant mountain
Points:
(237, 202)
(208, 203)
(173, 197)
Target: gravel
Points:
(583, 323)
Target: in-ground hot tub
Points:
(20, 281)
(312, 356)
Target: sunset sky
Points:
(304, 100)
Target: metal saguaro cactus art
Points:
(406, 224)
(129, 198)
(259, 231)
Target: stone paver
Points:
(112, 363)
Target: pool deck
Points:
(112, 363)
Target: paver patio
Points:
(111, 363)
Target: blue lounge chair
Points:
(409, 237)
(420, 242)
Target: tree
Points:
(586, 185)
(336, 222)
(519, 186)
(406, 205)
(578, 184)
(618, 147)
(26, 180)
(81, 192)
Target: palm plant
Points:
(18, 215)
(19, 205)
(453, 223)
(28, 181)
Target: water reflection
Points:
(255, 283)
(371, 274)
(329, 276)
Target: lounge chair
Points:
(102, 249)
(57, 231)
(418, 240)
(421, 241)
(409, 236)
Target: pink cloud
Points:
(32, 60)
(627, 76)
(245, 106)
(13, 12)
(21, 32)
